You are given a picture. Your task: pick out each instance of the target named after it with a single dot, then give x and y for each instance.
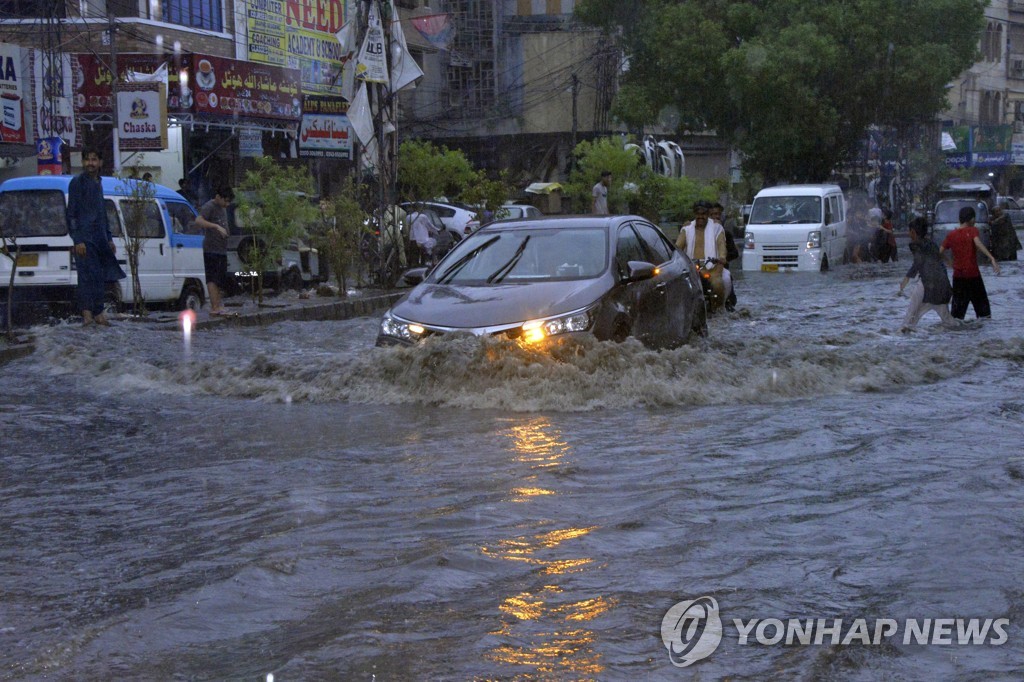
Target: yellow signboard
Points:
(299, 34)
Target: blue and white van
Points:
(796, 227)
(170, 260)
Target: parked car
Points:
(506, 212)
(548, 279)
(170, 260)
(454, 216)
(299, 266)
(947, 218)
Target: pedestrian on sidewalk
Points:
(964, 243)
(213, 220)
(928, 279)
(94, 251)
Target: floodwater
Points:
(290, 500)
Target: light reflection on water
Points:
(540, 631)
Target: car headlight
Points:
(748, 240)
(391, 326)
(538, 330)
(814, 239)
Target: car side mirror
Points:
(413, 277)
(639, 270)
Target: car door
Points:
(673, 288)
(186, 246)
(155, 258)
(644, 301)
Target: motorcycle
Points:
(704, 267)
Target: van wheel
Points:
(292, 279)
(191, 298)
(824, 264)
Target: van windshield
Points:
(786, 210)
(32, 213)
(948, 211)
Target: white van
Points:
(170, 262)
(796, 227)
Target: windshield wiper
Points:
(461, 263)
(501, 272)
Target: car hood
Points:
(444, 305)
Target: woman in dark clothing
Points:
(1004, 237)
(931, 289)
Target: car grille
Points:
(782, 260)
(780, 247)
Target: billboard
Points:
(325, 131)
(12, 95)
(298, 34)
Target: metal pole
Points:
(116, 140)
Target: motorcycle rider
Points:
(704, 239)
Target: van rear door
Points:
(35, 218)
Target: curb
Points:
(335, 310)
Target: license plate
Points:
(28, 260)
(770, 267)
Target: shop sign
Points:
(983, 159)
(53, 111)
(12, 95)
(48, 156)
(142, 116)
(250, 143)
(991, 138)
(298, 34)
(229, 87)
(1017, 157)
(325, 130)
(92, 81)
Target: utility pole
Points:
(116, 140)
(575, 121)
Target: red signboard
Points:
(231, 87)
(92, 81)
(198, 84)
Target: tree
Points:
(426, 171)
(275, 208)
(342, 226)
(792, 83)
(488, 194)
(138, 210)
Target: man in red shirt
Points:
(964, 242)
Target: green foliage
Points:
(426, 171)
(792, 83)
(337, 236)
(635, 187)
(487, 193)
(276, 209)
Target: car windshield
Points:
(785, 210)
(32, 213)
(519, 256)
(949, 211)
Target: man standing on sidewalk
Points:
(600, 194)
(213, 220)
(964, 242)
(94, 251)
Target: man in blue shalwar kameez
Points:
(94, 251)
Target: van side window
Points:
(182, 217)
(112, 217)
(147, 216)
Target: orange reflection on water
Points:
(536, 442)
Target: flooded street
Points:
(291, 500)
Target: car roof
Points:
(560, 222)
(798, 190)
(111, 186)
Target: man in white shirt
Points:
(600, 194)
(419, 232)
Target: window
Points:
(627, 248)
(145, 212)
(182, 217)
(30, 9)
(33, 213)
(205, 14)
(113, 219)
(661, 250)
